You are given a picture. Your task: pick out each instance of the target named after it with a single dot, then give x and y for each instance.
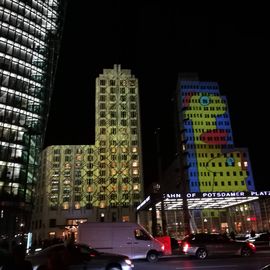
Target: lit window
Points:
(125, 218)
(67, 166)
(65, 206)
(135, 164)
(102, 204)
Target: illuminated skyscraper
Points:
(101, 182)
(29, 35)
(118, 140)
(214, 164)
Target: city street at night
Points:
(131, 130)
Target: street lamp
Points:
(161, 189)
(22, 232)
(181, 154)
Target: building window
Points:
(101, 197)
(102, 98)
(52, 223)
(102, 82)
(123, 98)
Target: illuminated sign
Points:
(260, 193)
(203, 198)
(218, 194)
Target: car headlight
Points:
(128, 262)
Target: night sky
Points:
(157, 40)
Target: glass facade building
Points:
(29, 36)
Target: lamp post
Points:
(154, 200)
(161, 188)
(22, 229)
(181, 154)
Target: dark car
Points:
(79, 256)
(202, 245)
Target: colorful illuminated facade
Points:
(214, 164)
(101, 182)
(207, 169)
(29, 37)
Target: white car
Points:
(79, 256)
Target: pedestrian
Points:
(252, 233)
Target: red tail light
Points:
(252, 246)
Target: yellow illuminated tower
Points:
(101, 182)
(118, 167)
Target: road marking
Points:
(208, 267)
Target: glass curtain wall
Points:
(29, 36)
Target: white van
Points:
(125, 238)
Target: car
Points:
(260, 240)
(203, 245)
(79, 256)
